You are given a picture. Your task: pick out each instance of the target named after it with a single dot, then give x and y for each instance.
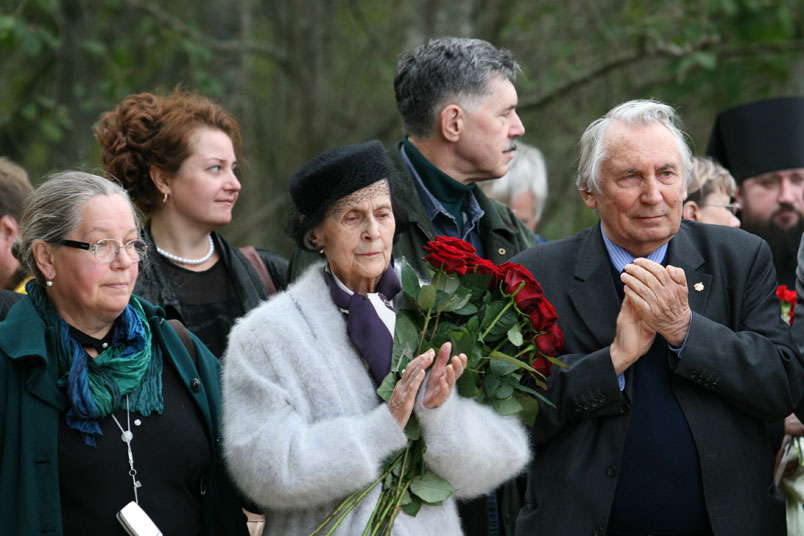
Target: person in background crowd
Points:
(14, 188)
(7, 300)
(102, 403)
(710, 194)
(655, 429)
(524, 187)
(304, 427)
(177, 155)
(762, 144)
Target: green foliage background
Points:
(302, 76)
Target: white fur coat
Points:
(304, 428)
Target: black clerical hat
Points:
(759, 137)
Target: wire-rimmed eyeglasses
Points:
(734, 208)
(106, 250)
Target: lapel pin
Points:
(698, 286)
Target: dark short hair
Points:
(443, 70)
(332, 175)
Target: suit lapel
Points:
(683, 253)
(595, 297)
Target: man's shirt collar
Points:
(620, 257)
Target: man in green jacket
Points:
(458, 106)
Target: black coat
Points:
(739, 370)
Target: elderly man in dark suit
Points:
(675, 349)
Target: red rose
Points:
(786, 295)
(542, 365)
(530, 295)
(452, 255)
(551, 341)
(543, 316)
(513, 275)
(486, 267)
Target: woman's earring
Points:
(164, 198)
(49, 283)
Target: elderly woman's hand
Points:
(404, 396)
(443, 376)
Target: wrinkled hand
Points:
(404, 396)
(443, 376)
(633, 337)
(659, 295)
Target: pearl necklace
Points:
(182, 260)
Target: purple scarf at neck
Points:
(364, 326)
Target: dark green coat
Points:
(29, 410)
(503, 234)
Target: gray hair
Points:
(53, 210)
(635, 112)
(443, 70)
(708, 177)
(527, 173)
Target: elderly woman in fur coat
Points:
(304, 427)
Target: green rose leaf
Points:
(462, 342)
(413, 507)
(457, 300)
(502, 367)
(413, 430)
(537, 394)
(500, 316)
(467, 310)
(511, 360)
(467, 383)
(386, 388)
(448, 284)
(427, 297)
(515, 335)
(476, 283)
(406, 337)
(508, 406)
(491, 384)
(410, 281)
(504, 391)
(431, 488)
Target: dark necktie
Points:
(363, 324)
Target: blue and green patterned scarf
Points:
(96, 387)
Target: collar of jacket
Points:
(595, 297)
(493, 220)
(25, 340)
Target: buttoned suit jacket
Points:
(738, 371)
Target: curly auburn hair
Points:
(147, 130)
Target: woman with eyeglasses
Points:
(106, 415)
(177, 156)
(710, 195)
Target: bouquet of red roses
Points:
(499, 317)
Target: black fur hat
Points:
(330, 176)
